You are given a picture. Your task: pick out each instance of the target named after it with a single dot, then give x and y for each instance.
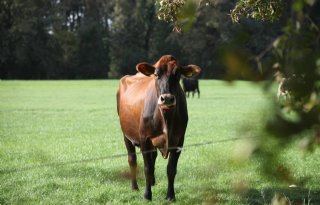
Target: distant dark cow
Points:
(153, 114)
(191, 85)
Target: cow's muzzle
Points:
(167, 101)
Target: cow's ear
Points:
(190, 71)
(145, 68)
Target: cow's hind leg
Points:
(149, 157)
(132, 160)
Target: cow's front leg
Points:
(171, 173)
(148, 157)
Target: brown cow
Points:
(153, 114)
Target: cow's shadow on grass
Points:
(103, 175)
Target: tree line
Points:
(100, 39)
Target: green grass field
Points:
(61, 143)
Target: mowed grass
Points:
(61, 143)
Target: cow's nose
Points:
(171, 99)
(167, 99)
(162, 100)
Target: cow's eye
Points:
(156, 75)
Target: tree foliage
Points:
(259, 10)
(168, 10)
(51, 39)
(24, 39)
(46, 39)
(54, 39)
(127, 38)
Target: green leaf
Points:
(298, 6)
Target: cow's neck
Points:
(162, 122)
(164, 117)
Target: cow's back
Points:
(130, 101)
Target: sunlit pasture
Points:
(61, 143)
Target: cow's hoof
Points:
(171, 198)
(134, 187)
(147, 197)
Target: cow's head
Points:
(167, 73)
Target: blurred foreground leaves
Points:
(294, 54)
